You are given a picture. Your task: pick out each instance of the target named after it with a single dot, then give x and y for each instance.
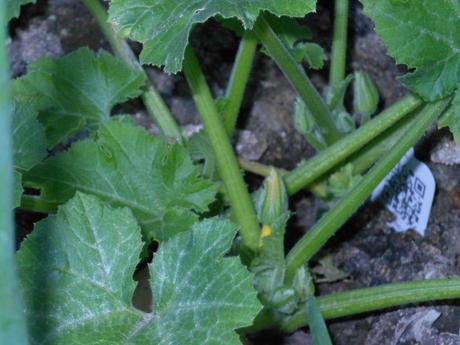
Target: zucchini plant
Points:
(111, 189)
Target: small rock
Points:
(36, 41)
(405, 326)
(250, 146)
(299, 338)
(447, 152)
(417, 327)
(184, 111)
(189, 130)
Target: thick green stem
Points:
(361, 160)
(377, 148)
(379, 297)
(152, 99)
(225, 157)
(367, 300)
(312, 169)
(298, 78)
(160, 113)
(326, 227)
(12, 322)
(339, 42)
(238, 80)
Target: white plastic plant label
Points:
(408, 193)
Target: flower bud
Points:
(284, 300)
(305, 124)
(303, 120)
(273, 200)
(303, 284)
(366, 96)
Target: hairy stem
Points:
(366, 300)
(12, 322)
(326, 227)
(161, 113)
(377, 148)
(361, 160)
(298, 78)
(225, 157)
(152, 99)
(339, 42)
(380, 297)
(238, 80)
(312, 169)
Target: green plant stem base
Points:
(380, 297)
(366, 300)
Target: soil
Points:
(365, 248)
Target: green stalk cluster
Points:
(396, 127)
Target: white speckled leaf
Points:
(128, 167)
(164, 26)
(201, 295)
(76, 273)
(77, 91)
(425, 35)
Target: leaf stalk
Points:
(339, 42)
(239, 80)
(225, 157)
(298, 78)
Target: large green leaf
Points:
(128, 167)
(77, 91)
(29, 140)
(29, 144)
(13, 7)
(76, 271)
(201, 290)
(164, 26)
(425, 35)
(451, 118)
